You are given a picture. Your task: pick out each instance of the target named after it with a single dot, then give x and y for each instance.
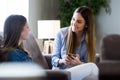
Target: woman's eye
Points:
(79, 21)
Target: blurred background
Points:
(107, 19)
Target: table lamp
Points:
(47, 30)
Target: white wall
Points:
(41, 10)
(108, 24)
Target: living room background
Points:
(47, 9)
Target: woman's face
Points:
(25, 32)
(77, 22)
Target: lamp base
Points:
(48, 46)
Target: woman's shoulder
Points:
(17, 52)
(63, 31)
(16, 55)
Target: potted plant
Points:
(67, 8)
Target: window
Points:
(9, 7)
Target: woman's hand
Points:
(72, 60)
(66, 61)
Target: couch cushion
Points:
(58, 75)
(109, 70)
(110, 48)
(31, 45)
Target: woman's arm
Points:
(56, 55)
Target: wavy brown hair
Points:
(90, 34)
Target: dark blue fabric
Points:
(18, 55)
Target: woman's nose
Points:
(74, 23)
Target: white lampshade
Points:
(48, 28)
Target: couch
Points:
(44, 60)
(109, 65)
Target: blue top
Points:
(59, 51)
(18, 55)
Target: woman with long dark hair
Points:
(75, 46)
(16, 30)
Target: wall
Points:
(108, 24)
(41, 10)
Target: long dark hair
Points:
(13, 28)
(90, 33)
